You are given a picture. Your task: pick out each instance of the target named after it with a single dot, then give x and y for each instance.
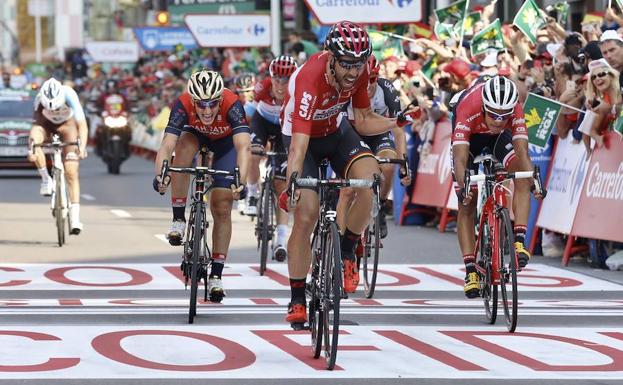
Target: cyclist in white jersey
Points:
(57, 110)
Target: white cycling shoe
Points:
(215, 288)
(251, 206)
(176, 233)
(74, 222)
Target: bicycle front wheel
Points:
(316, 314)
(488, 289)
(58, 209)
(508, 269)
(264, 223)
(332, 285)
(197, 234)
(371, 257)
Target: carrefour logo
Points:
(256, 29)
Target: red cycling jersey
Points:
(229, 121)
(312, 104)
(470, 119)
(267, 105)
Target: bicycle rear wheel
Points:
(316, 315)
(58, 209)
(332, 285)
(488, 290)
(197, 233)
(508, 269)
(371, 257)
(264, 223)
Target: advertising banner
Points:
(600, 210)
(542, 157)
(164, 38)
(230, 30)
(366, 11)
(564, 186)
(179, 8)
(113, 51)
(434, 173)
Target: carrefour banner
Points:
(601, 200)
(564, 186)
(164, 38)
(230, 30)
(366, 11)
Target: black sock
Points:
(179, 213)
(217, 270)
(349, 241)
(297, 287)
(520, 234)
(469, 260)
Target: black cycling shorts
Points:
(379, 143)
(225, 155)
(342, 148)
(501, 146)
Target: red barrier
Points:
(600, 211)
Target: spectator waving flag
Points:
(529, 20)
(541, 115)
(488, 38)
(562, 12)
(430, 67)
(450, 19)
(384, 46)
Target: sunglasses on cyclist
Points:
(599, 75)
(203, 104)
(499, 117)
(349, 65)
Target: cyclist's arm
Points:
(460, 157)
(392, 101)
(370, 123)
(73, 101)
(296, 153)
(241, 138)
(177, 120)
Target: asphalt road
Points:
(109, 307)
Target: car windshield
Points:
(22, 109)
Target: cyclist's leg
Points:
(185, 150)
(280, 185)
(517, 159)
(384, 147)
(69, 133)
(354, 160)
(466, 218)
(38, 135)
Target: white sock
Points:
(44, 174)
(253, 189)
(282, 234)
(75, 211)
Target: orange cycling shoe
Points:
(351, 276)
(297, 313)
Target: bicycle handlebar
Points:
(336, 183)
(53, 144)
(505, 175)
(164, 171)
(267, 153)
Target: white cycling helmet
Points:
(205, 85)
(52, 95)
(499, 93)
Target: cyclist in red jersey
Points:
(317, 92)
(488, 115)
(207, 114)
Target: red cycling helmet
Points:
(282, 66)
(373, 66)
(346, 38)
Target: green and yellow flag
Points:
(384, 46)
(489, 38)
(529, 20)
(430, 67)
(541, 114)
(468, 25)
(450, 19)
(562, 14)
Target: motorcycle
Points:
(113, 134)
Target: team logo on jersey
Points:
(305, 104)
(324, 102)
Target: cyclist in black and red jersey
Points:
(206, 114)
(268, 98)
(317, 92)
(488, 115)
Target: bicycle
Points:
(266, 218)
(197, 258)
(325, 288)
(372, 239)
(496, 262)
(60, 196)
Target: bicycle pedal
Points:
(298, 326)
(174, 241)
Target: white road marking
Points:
(121, 213)
(87, 197)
